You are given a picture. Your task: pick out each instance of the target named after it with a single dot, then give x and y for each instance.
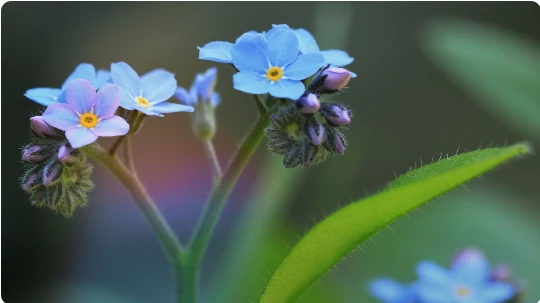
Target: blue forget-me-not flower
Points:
(87, 115)
(201, 90)
(390, 291)
(147, 93)
(46, 96)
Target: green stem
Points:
(212, 159)
(222, 190)
(186, 273)
(161, 229)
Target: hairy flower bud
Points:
(314, 131)
(37, 153)
(31, 179)
(336, 78)
(309, 104)
(335, 114)
(334, 141)
(67, 154)
(41, 129)
(52, 173)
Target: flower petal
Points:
(282, 47)
(185, 97)
(217, 51)
(158, 85)
(79, 136)
(205, 83)
(84, 71)
(168, 107)
(61, 116)
(337, 57)
(102, 77)
(215, 99)
(427, 292)
(43, 95)
(250, 83)
(388, 290)
(275, 28)
(110, 127)
(471, 267)
(249, 53)
(435, 274)
(286, 88)
(80, 94)
(307, 43)
(125, 77)
(304, 66)
(126, 100)
(107, 101)
(147, 111)
(497, 292)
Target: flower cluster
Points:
(287, 63)
(469, 280)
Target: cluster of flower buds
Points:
(308, 131)
(56, 175)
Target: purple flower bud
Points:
(501, 273)
(66, 154)
(41, 128)
(309, 104)
(52, 173)
(31, 180)
(336, 78)
(339, 146)
(335, 114)
(314, 131)
(334, 141)
(37, 153)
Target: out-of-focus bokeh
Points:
(428, 85)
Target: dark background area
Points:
(406, 109)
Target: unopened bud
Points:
(501, 273)
(203, 121)
(336, 78)
(334, 142)
(66, 154)
(339, 146)
(308, 105)
(335, 114)
(31, 180)
(314, 131)
(52, 173)
(41, 128)
(37, 153)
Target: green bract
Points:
(340, 233)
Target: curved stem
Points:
(129, 156)
(222, 190)
(212, 159)
(116, 145)
(161, 229)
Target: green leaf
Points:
(499, 69)
(340, 233)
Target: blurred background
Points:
(433, 78)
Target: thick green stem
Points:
(161, 229)
(222, 190)
(187, 276)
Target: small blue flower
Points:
(201, 91)
(466, 282)
(87, 115)
(147, 93)
(46, 96)
(272, 64)
(390, 291)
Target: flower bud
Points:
(203, 121)
(334, 141)
(314, 131)
(37, 153)
(52, 173)
(66, 154)
(31, 180)
(501, 273)
(335, 114)
(41, 128)
(308, 105)
(339, 146)
(336, 78)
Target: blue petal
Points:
(107, 101)
(337, 57)
(205, 83)
(433, 273)
(61, 116)
(158, 85)
(286, 88)
(275, 28)
(110, 127)
(250, 83)
(167, 107)
(217, 51)
(125, 77)
(497, 292)
(126, 100)
(249, 54)
(471, 267)
(305, 66)
(282, 47)
(79, 136)
(102, 77)
(185, 97)
(84, 71)
(215, 99)
(43, 95)
(148, 112)
(427, 292)
(388, 291)
(80, 95)
(307, 43)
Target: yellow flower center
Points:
(88, 120)
(142, 102)
(274, 73)
(463, 291)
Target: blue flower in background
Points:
(86, 71)
(272, 64)
(147, 93)
(201, 91)
(390, 291)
